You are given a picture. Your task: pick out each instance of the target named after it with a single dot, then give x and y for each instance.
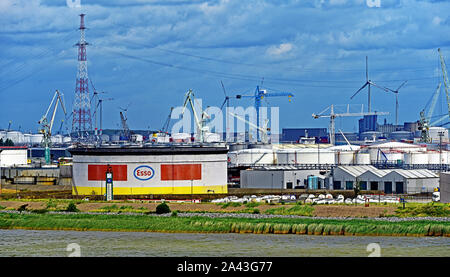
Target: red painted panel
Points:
(97, 172)
(178, 172)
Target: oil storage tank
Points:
(416, 158)
(255, 156)
(160, 169)
(305, 156)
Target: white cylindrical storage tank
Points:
(3, 135)
(363, 158)
(36, 139)
(137, 138)
(68, 139)
(57, 139)
(416, 158)
(232, 157)
(345, 157)
(16, 137)
(115, 138)
(286, 156)
(104, 138)
(211, 137)
(434, 157)
(181, 137)
(27, 139)
(255, 156)
(371, 135)
(444, 157)
(434, 134)
(393, 157)
(314, 156)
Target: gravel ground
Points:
(262, 216)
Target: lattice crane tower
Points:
(82, 123)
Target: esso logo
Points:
(144, 172)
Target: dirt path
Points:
(319, 210)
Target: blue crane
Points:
(259, 95)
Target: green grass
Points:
(150, 223)
(430, 209)
(302, 210)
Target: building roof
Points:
(357, 171)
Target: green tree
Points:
(9, 142)
(1, 142)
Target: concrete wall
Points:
(444, 186)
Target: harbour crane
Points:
(425, 120)
(125, 129)
(332, 115)
(425, 117)
(165, 127)
(445, 77)
(264, 130)
(199, 122)
(259, 96)
(47, 125)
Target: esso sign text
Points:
(143, 172)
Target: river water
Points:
(29, 243)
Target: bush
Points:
(40, 211)
(2, 208)
(22, 208)
(162, 208)
(174, 214)
(72, 208)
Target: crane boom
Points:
(445, 76)
(332, 115)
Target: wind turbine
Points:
(396, 100)
(227, 99)
(368, 84)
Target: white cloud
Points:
(279, 49)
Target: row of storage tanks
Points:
(342, 155)
(20, 138)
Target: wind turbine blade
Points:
(401, 86)
(224, 92)
(359, 90)
(224, 102)
(381, 87)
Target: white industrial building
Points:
(387, 180)
(278, 177)
(12, 157)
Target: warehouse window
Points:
(289, 185)
(349, 185)
(363, 185)
(373, 185)
(388, 187)
(337, 185)
(399, 187)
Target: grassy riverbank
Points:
(150, 223)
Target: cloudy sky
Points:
(145, 54)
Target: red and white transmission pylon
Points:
(82, 123)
